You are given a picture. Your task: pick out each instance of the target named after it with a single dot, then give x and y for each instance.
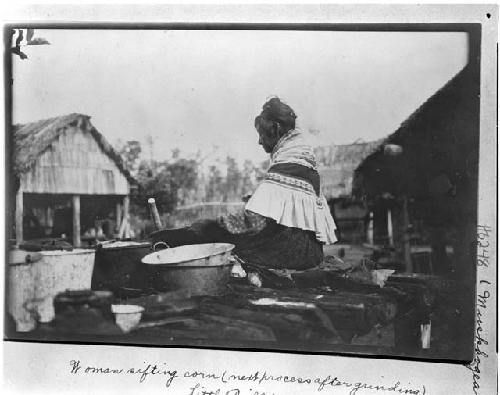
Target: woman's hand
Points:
(246, 198)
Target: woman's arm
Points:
(246, 222)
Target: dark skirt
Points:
(276, 246)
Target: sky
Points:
(201, 90)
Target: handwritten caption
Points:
(227, 383)
(483, 295)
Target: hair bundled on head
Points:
(274, 110)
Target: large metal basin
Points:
(200, 269)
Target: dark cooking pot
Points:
(80, 301)
(177, 237)
(118, 265)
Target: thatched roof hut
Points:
(338, 163)
(438, 139)
(35, 140)
(433, 181)
(65, 157)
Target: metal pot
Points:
(200, 269)
(118, 265)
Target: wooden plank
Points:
(231, 328)
(19, 215)
(76, 221)
(279, 321)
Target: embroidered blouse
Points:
(289, 194)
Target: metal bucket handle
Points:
(159, 243)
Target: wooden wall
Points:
(75, 164)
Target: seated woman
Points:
(286, 221)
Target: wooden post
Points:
(126, 206)
(389, 227)
(369, 233)
(118, 216)
(76, 221)
(50, 217)
(406, 236)
(19, 215)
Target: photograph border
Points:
(487, 116)
(472, 29)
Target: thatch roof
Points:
(338, 163)
(439, 137)
(32, 139)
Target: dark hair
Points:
(275, 111)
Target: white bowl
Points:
(127, 316)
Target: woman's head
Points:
(275, 120)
